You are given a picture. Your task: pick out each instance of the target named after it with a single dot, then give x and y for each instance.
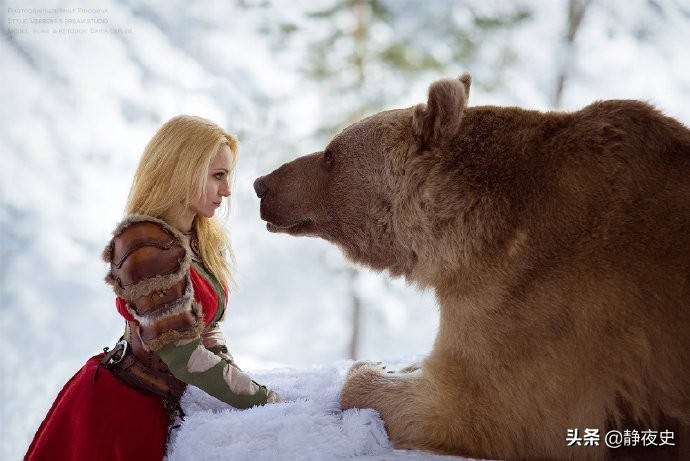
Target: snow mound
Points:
(309, 425)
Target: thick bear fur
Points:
(558, 246)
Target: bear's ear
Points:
(439, 119)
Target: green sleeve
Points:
(210, 381)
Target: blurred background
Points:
(83, 86)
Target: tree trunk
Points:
(353, 349)
(576, 12)
(359, 34)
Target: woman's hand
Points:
(273, 397)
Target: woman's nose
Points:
(224, 190)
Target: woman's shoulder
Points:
(136, 229)
(143, 247)
(150, 270)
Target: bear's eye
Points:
(328, 159)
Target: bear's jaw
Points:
(299, 228)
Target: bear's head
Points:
(384, 189)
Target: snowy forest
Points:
(85, 86)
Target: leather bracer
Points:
(149, 269)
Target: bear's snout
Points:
(260, 187)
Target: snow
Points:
(308, 425)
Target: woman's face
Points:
(217, 184)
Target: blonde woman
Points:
(170, 269)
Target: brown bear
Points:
(558, 247)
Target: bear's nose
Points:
(260, 187)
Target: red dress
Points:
(96, 417)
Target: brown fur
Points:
(558, 246)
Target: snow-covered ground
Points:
(309, 425)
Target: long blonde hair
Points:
(172, 171)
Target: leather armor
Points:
(149, 270)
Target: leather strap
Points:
(130, 371)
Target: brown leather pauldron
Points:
(149, 269)
(145, 255)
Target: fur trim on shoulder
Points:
(149, 285)
(157, 282)
(130, 219)
(170, 309)
(193, 332)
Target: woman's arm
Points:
(213, 339)
(192, 363)
(150, 271)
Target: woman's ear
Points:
(439, 119)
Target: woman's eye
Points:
(219, 175)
